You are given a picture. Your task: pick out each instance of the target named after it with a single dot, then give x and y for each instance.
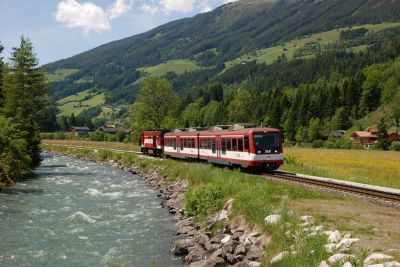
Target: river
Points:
(80, 213)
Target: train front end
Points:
(266, 148)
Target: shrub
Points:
(317, 144)
(96, 136)
(330, 145)
(395, 146)
(203, 200)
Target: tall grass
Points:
(371, 167)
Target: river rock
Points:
(345, 243)
(255, 253)
(229, 247)
(347, 264)
(341, 258)
(376, 257)
(225, 239)
(272, 219)
(279, 256)
(334, 237)
(181, 247)
(196, 253)
(330, 247)
(254, 264)
(240, 250)
(228, 205)
(323, 264)
(185, 230)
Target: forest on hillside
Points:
(306, 97)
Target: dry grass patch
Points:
(377, 227)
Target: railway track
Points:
(382, 195)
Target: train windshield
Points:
(266, 143)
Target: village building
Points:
(110, 129)
(364, 138)
(392, 137)
(80, 131)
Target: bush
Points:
(330, 145)
(96, 136)
(317, 144)
(395, 146)
(203, 200)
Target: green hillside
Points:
(271, 54)
(177, 66)
(79, 102)
(60, 74)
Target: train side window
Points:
(246, 143)
(240, 144)
(174, 143)
(213, 145)
(193, 143)
(209, 143)
(181, 141)
(223, 146)
(234, 145)
(228, 144)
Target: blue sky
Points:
(63, 28)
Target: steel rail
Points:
(369, 191)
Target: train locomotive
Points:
(238, 145)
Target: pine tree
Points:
(1, 76)
(25, 93)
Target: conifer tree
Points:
(24, 93)
(1, 76)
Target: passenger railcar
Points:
(244, 147)
(152, 142)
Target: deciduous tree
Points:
(157, 105)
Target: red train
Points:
(236, 146)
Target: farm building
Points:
(393, 137)
(110, 129)
(80, 131)
(364, 138)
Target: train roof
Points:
(224, 132)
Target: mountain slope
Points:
(233, 30)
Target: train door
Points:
(218, 146)
(155, 141)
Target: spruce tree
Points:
(24, 93)
(1, 76)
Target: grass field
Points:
(67, 104)
(177, 66)
(371, 167)
(269, 55)
(60, 74)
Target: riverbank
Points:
(204, 192)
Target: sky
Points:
(62, 28)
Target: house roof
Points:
(81, 128)
(364, 134)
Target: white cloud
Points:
(151, 9)
(205, 6)
(89, 16)
(177, 5)
(119, 8)
(228, 1)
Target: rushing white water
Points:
(79, 213)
